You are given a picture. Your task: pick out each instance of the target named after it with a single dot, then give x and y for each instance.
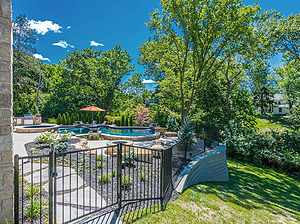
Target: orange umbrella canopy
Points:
(92, 108)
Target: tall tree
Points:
(24, 36)
(190, 41)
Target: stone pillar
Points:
(6, 165)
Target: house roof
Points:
(278, 97)
(282, 106)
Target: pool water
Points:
(111, 131)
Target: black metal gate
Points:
(61, 187)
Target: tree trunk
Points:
(227, 101)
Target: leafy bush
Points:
(100, 157)
(68, 119)
(46, 138)
(130, 120)
(142, 115)
(126, 180)
(279, 150)
(129, 156)
(72, 119)
(64, 119)
(77, 117)
(59, 119)
(126, 121)
(104, 178)
(61, 147)
(185, 134)
(113, 173)
(172, 123)
(52, 120)
(87, 119)
(122, 122)
(35, 190)
(64, 137)
(82, 118)
(38, 207)
(143, 176)
(99, 164)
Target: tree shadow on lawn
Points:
(257, 188)
(276, 119)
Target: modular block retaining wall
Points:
(208, 167)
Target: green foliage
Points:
(82, 118)
(126, 121)
(172, 123)
(280, 150)
(99, 164)
(142, 115)
(122, 122)
(61, 147)
(100, 157)
(59, 119)
(113, 173)
(185, 134)
(118, 122)
(129, 156)
(64, 119)
(143, 176)
(87, 118)
(130, 120)
(126, 180)
(64, 137)
(38, 207)
(35, 189)
(104, 178)
(72, 119)
(52, 121)
(68, 119)
(77, 117)
(46, 138)
(159, 115)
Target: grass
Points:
(268, 122)
(253, 195)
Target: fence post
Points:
(119, 174)
(16, 189)
(162, 170)
(50, 174)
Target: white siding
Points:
(284, 110)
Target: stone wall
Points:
(6, 165)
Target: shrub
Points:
(38, 207)
(64, 137)
(142, 115)
(118, 122)
(143, 176)
(172, 123)
(122, 120)
(99, 119)
(35, 189)
(72, 119)
(52, 120)
(87, 119)
(68, 119)
(131, 120)
(64, 119)
(126, 121)
(61, 147)
(104, 178)
(126, 180)
(185, 134)
(113, 173)
(82, 118)
(59, 119)
(77, 117)
(129, 156)
(100, 157)
(99, 164)
(46, 137)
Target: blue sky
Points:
(74, 24)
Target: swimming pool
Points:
(118, 131)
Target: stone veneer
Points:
(6, 165)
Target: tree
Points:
(286, 33)
(64, 119)
(262, 99)
(142, 115)
(190, 42)
(24, 36)
(82, 118)
(72, 119)
(59, 119)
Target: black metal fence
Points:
(62, 187)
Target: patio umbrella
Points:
(92, 108)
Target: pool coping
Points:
(25, 129)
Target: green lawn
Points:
(268, 122)
(253, 195)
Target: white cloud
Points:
(94, 43)
(147, 81)
(42, 27)
(69, 27)
(63, 44)
(39, 56)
